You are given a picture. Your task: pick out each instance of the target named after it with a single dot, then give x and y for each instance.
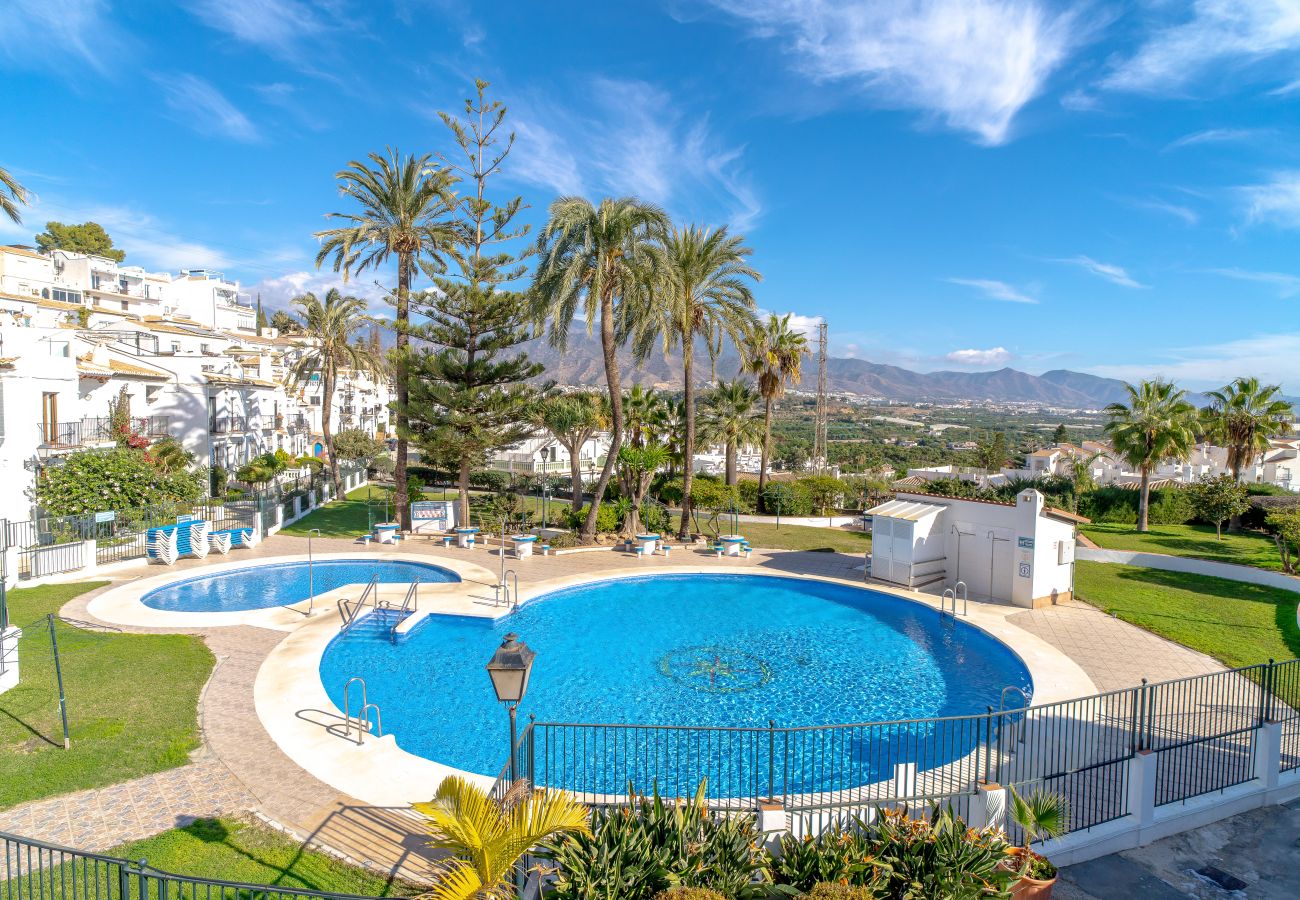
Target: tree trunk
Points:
(462, 493)
(767, 449)
(1144, 500)
(688, 444)
(614, 384)
(1234, 523)
(401, 499)
(575, 476)
(327, 400)
(731, 463)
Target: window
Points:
(151, 392)
(124, 304)
(50, 417)
(176, 346)
(204, 349)
(64, 295)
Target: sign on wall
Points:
(433, 515)
(1025, 543)
(1026, 570)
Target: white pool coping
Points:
(296, 711)
(124, 605)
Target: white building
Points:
(1020, 553)
(77, 331)
(542, 454)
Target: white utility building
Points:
(1020, 553)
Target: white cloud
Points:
(1274, 358)
(1080, 101)
(994, 290)
(277, 26)
(972, 63)
(636, 140)
(48, 34)
(1287, 285)
(278, 292)
(1213, 136)
(995, 356)
(1213, 31)
(1112, 273)
(1188, 215)
(1276, 201)
(205, 109)
(806, 325)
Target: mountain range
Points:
(581, 364)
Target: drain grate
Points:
(1225, 880)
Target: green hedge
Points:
(1119, 506)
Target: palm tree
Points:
(637, 466)
(331, 330)
(730, 418)
(486, 837)
(406, 212)
(12, 195)
(573, 419)
(774, 356)
(169, 455)
(645, 412)
(604, 262)
(1242, 416)
(1041, 815)
(709, 299)
(1156, 425)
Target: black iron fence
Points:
(1204, 732)
(35, 870)
(98, 430)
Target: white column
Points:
(90, 559)
(11, 567)
(904, 780)
(989, 808)
(1142, 787)
(1268, 754)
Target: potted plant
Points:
(1041, 815)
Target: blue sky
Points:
(1106, 187)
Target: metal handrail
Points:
(965, 599)
(511, 574)
(349, 612)
(85, 874)
(362, 721)
(943, 602)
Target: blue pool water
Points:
(281, 584)
(700, 650)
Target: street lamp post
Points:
(509, 669)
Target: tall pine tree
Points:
(470, 395)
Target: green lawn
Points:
(1238, 624)
(1247, 548)
(132, 702)
(254, 854)
(348, 519)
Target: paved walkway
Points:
(241, 769)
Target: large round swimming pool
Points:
(723, 651)
(282, 584)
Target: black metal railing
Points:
(36, 870)
(227, 424)
(1203, 730)
(98, 429)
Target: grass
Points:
(1247, 548)
(1236, 623)
(231, 850)
(132, 702)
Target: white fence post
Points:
(90, 558)
(1142, 771)
(9, 657)
(1268, 754)
(989, 810)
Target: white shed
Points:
(907, 542)
(1020, 553)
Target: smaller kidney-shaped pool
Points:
(717, 651)
(282, 584)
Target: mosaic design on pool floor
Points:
(715, 670)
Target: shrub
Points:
(836, 891)
(113, 479)
(607, 520)
(788, 499)
(655, 518)
(689, 893)
(1217, 499)
(489, 480)
(1262, 505)
(218, 477)
(669, 491)
(747, 494)
(353, 444)
(1119, 506)
(897, 856)
(653, 845)
(825, 491)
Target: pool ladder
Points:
(362, 719)
(504, 594)
(951, 593)
(350, 612)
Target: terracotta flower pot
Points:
(1028, 888)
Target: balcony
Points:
(296, 423)
(228, 424)
(95, 431)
